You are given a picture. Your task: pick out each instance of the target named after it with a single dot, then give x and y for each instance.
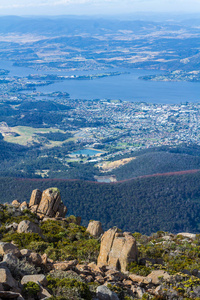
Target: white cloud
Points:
(73, 6)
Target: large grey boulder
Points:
(27, 226)
(6, 248)
(10, 259)
(104, 293)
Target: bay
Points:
(125, 87)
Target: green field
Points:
(28, 135)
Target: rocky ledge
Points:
(45, 255)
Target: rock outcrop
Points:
(26, 274)
(35, 197)
(95, 229)
(47, 204)
(117, 249)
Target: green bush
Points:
(30, 289)
(69, 288)
(68, 241)
(139, 269)
(22, 240)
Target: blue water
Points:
(125, 86)
(89, 152)
(129, 88)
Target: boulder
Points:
(6, 248)
(35, 197)
(65, 265)
(44, 259)
(16, 203)
(157, 275)
(41, 278)
(24, 205)
(140, 279)
(106, 245)
(114, 275)
(33, 209)
(95, 269)
(10, 295)
(104, 293)
(62, 210)
(191, 236)
(49, 203)
(117, 249)
(6, 278)
(44, 294)
(27, 226)
(35, 259)
(99, 279)
(10, 259)
(139, 292)
(95, 229)
(25, 252)
(12, 226)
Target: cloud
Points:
(38, 3)
(97, 6)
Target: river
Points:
(125, 86)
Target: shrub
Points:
(30, 289)
(22, 240)
(139, 269)
(69, 288)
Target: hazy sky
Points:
(64, 7)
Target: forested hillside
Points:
(169, 203)
(160, 160)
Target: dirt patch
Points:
(107, 166)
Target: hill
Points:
(168, 202)
(46, 255)
(160, 160)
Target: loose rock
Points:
(35, 278)
(95, 229)
(9, 248)
(27, 226)
(104, 293)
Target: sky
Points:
(95, 7)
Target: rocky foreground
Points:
(44, 255)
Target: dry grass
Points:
(109, 166)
